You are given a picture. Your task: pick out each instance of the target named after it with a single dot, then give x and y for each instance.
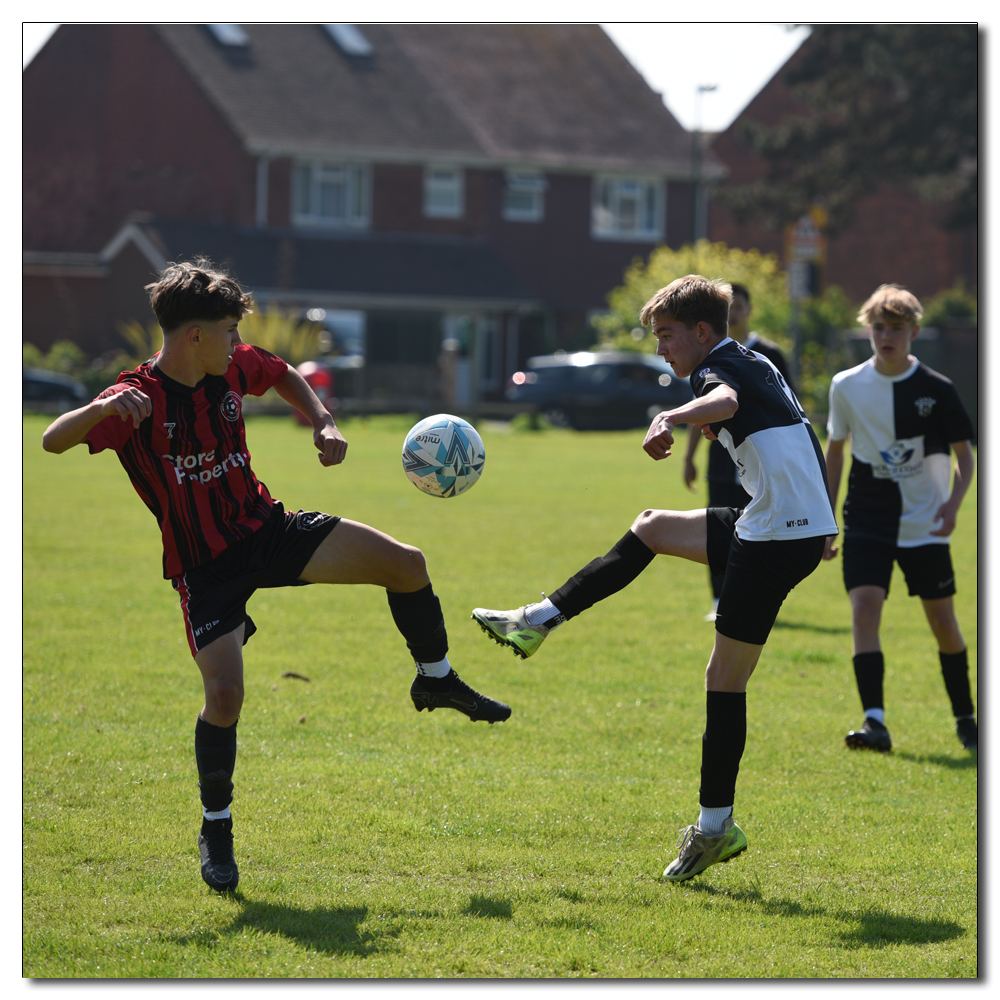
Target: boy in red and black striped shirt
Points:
(177, 427)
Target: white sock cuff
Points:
(710, 820)
(539, 614)
(878, 714)
(223, 814)
(440, 668)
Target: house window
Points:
(332, 194)
(443, 194)
(524, 197)
(627, 208)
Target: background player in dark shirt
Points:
(903, 420)
(176, 424)
(724, 489)
(763, 550)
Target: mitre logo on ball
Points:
(443, 455)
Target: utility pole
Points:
(699, 214)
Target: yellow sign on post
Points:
(805, 254)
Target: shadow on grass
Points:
(810, 627)
(969, 762)
(489, 907)
(870, 928)
(772, 907)
(332, 930)
(878, 929)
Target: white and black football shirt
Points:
(901, 429)
(777, 456)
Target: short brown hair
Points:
(691, 300)
(194, 290)
(891, 300)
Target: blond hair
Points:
(891, 300)
(691, 300)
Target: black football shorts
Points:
(758, 575)
(927, 569)
(214, 596)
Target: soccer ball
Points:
(443, 455)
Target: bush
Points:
(97, 373)
(953, 303)
(619, 328)
(31, 356)
(822, 351)
(292, 339)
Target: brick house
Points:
(484, 185)
(895, 236)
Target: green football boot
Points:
(698, 850)
(511, 628)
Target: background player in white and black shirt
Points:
(764, 549)
(724, 488)
(903, 420)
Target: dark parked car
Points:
(605, 390)
(52, 389)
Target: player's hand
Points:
(706, 431)
(659, 437)
(690, 475)
(330, 443)
(830, 549)
(128, 403)
(948, 518)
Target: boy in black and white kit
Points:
(903, 419)
(724, 489)
(764, 549)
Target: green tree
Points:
(893, 103)
(619, 328)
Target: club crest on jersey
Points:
(924, 405)
(230, 406)
(898, 454)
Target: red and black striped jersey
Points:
(189, 460)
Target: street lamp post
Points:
(699, 220)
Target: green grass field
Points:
(374, 841)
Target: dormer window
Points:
(332, 194)
(350, 40)
(524, 196)
(444, 197)
(233, 36)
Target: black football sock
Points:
(420, 621)
(722, 747)
(215, 753)
(955, 669)
(604, 576)
(869, 669)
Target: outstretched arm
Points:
(834, 470)
(947, 513)
(715, 406)
(71, 428)
(330, 443)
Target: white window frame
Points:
(610, 208)
(524, 182)
(308, 178)
(444, 180)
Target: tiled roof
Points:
(532, 94)
(363, 267)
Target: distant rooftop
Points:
(532, 95)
